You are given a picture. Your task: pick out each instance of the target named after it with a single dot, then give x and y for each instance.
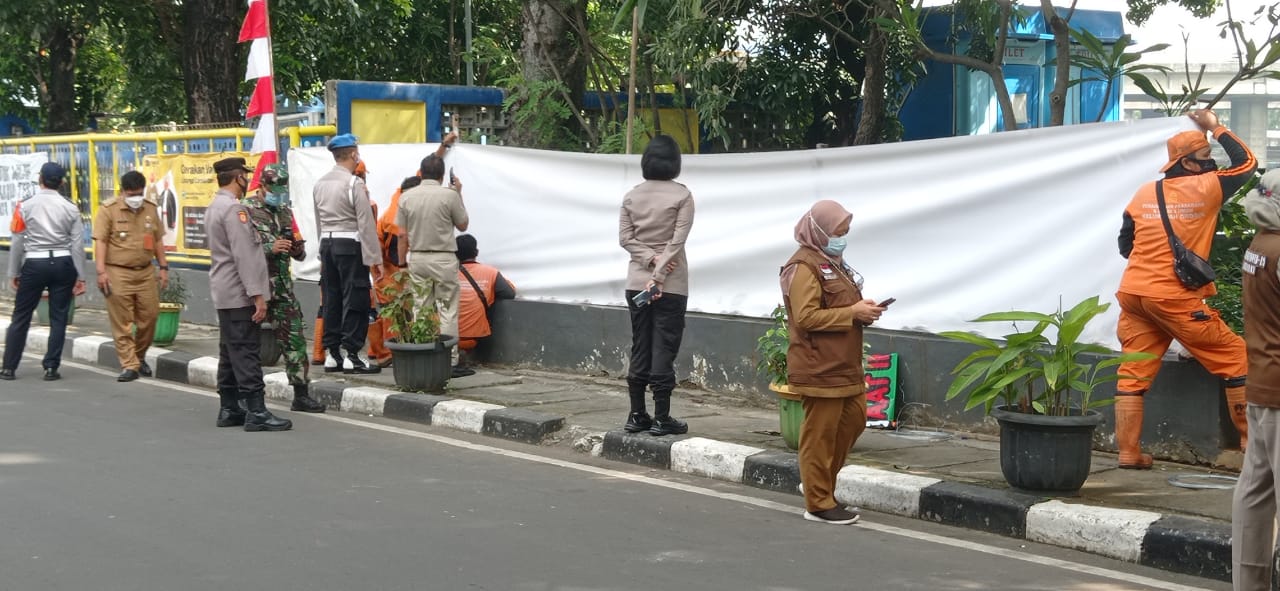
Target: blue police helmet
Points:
(345, 140)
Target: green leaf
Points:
(1014, 316)
(968, 337)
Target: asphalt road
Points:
(106, 486)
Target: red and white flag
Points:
(257, 29)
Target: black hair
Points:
(340, 154)
(133, 181)
(467, 248)
(432, 168)
(661, 159)
(226, 178)
(409, 183)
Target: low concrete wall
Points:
(1186, 416)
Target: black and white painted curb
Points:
(1168, 542)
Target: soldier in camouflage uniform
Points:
(273, 219)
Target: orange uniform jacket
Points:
(472, 321)
(1193, 203)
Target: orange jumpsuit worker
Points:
(1155, 307)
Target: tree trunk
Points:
(551, 50)
(212, 65)
(871, 125)
(60, 102)
(1062, 62)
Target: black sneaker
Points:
(460, 371)
(836, 516)
(51, 374)
(668, 426)
(637, 422)
(127, 375)
(144, 370)
(353, 364)
(6, 374)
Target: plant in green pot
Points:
(173, 298)
(420, 354)
(772, 346)
(1040, 384)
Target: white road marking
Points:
(1021, 555)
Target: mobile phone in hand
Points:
(645, 297)
(886, 303)
(453, 180)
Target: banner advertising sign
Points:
(182, 185)
(18, 180)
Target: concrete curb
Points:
(1168, 542)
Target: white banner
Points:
(19, 179)
(952, 228)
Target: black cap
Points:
(230, 164)
(52, 173)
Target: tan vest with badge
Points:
(825, 359)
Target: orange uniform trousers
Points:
(830, 428)
(1150, 325)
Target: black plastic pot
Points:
(1041, 453)
(270, 349)
(422, 368)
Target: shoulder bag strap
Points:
(480, 292)
(1174, 242)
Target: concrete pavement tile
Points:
(999, 511)
(520, 424)
(519, 394)
(1189, 546)
(638, 448)
(773, 471)
(1150, 489)
(1117, 533)
(173, 366)
(415, 408)
(928, 457)
(482, 379)
(203, 371)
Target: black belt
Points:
(128, 267)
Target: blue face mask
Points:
(277, 200)
(835, 246)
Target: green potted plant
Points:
(173, 299)
(420, 354)
(1039, 385)
(42, 310)
(772, 346)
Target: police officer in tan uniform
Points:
(349, 252)
(128, 233)
(240, 289)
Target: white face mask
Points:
(134, 201)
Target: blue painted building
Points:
(953, 100)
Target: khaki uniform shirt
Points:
(130, 236)
(428, 214)
(238, 271)
(655, 221)
(343, 206)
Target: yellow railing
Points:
(95, 161)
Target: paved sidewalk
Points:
(941, 476)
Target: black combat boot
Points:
(302, 400)
(259, 418)
(663, 423)
(639, 419)
(230, 413)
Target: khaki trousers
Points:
(830, 428)
(134, 300)
(1253, 507)
(442, 267)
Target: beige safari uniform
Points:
(130, 239)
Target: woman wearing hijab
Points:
(653, 226)
(825, 316)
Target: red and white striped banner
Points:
(257, 29)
